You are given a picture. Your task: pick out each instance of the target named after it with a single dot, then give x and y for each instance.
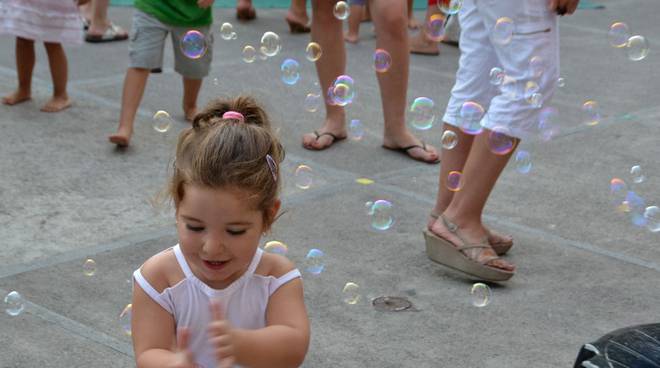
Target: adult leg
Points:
(191, 89)
(354, 19)
(421, 43)
(390, 20)
(24, 65)
(412, 22)
(327, 32)
(245, 11)
(59, 74)
(297, 17)
(99, 23)
(134, 84)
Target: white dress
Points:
(56, 21)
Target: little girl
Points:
(216, 299)
(54, 23)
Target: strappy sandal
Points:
(406, 151)
(501, 248)
(318, 135)
(444, 252)
(297, 27)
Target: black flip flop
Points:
(334, 140)
(405, 151)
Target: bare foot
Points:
(352, 38)
(56, 104)
(421, 45)
(122, 137)
(413, 23)
(190, 114)
(324, 139)
(430, 154)
(17, 97)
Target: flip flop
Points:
(245, 14)
(405, 151)
(112, 33)
(501, 248)
(334, 140)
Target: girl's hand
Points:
(184, 357)
(221, 336)
(204, 3)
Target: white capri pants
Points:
(535, 35)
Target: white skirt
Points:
(42, 20)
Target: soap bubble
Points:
(449, 139)
(619, 34)
(89, 267)
(500, 141)
(450, 7)
(480, 295)
(381, 215)
(422, 115)
(342, 10)
(304, 177)
(356, 130)
(455, 181)
(382, 60)
(227, 31)
(561, 82)
(523, 162)
(249, 54)
(497, 76)
(342, 90)
(435, 28)
(618, 190)
(276, 247)
(590, 113)
(470, 116)
(351, 292)
(270, 44)
(652, 216)
(14, 304)
(536, 66)
(125, 319)
(503, 31)
(193, 44)
(548, 126)
(637, 174)
(313, 51)
(637, 48)
(312, 102)
(531, 88)
(315, 261)
(162, 122)
(290, 71)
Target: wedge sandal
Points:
(500, 248)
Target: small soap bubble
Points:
(470, 117)
(276, 247)
(356, 130)
(618, 35)
(14, 304)
(270, 44)
(497, 76)
(125, 319)
(548, 126)
(290, 71)
(435, 28)
(162, 121)
(500, 141)
(536, 66)
(637, 174)
(216, 81)
(449, 139)
(312, 102)
(315, 261)
(561, 82)
(367, 206)
(455, 181)
(637, 48)
(523, 162)
(193, 44)
(351, 292)
(304, 177)
(590, 113)
(531, 88)
(342, 90)
(249, 54)
(450, 7)
(89, 267)
(227, 31)
(652, 216)
(313, 51)
(341, 10)
(480, 295)
(536, 100)
(503, 31)
(382, 60)
(381, 214)
(422, 115)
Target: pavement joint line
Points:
(76, 327)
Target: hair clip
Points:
(272, 166)
(233, 115)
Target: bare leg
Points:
(24, 65)
(390, 21)
(59, 74)
(421, 44)
(327, 32)
(87, 11)
(134, 84)
(297, 17)
(412, 22)
(191, 89)
(366, 14)
(244, 10)
(354, 19)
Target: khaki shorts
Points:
(147, 42)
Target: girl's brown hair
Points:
(230, 154)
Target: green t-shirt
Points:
(179, 13)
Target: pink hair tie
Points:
(233, 115)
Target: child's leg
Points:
(59, 75)
(190, 92)
(354, 19)
(24, 65)
(134, 83)
(412, 22)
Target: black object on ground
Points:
(630, 347)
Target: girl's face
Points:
(219, 233)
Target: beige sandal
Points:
(501, 248)
(444, 252)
